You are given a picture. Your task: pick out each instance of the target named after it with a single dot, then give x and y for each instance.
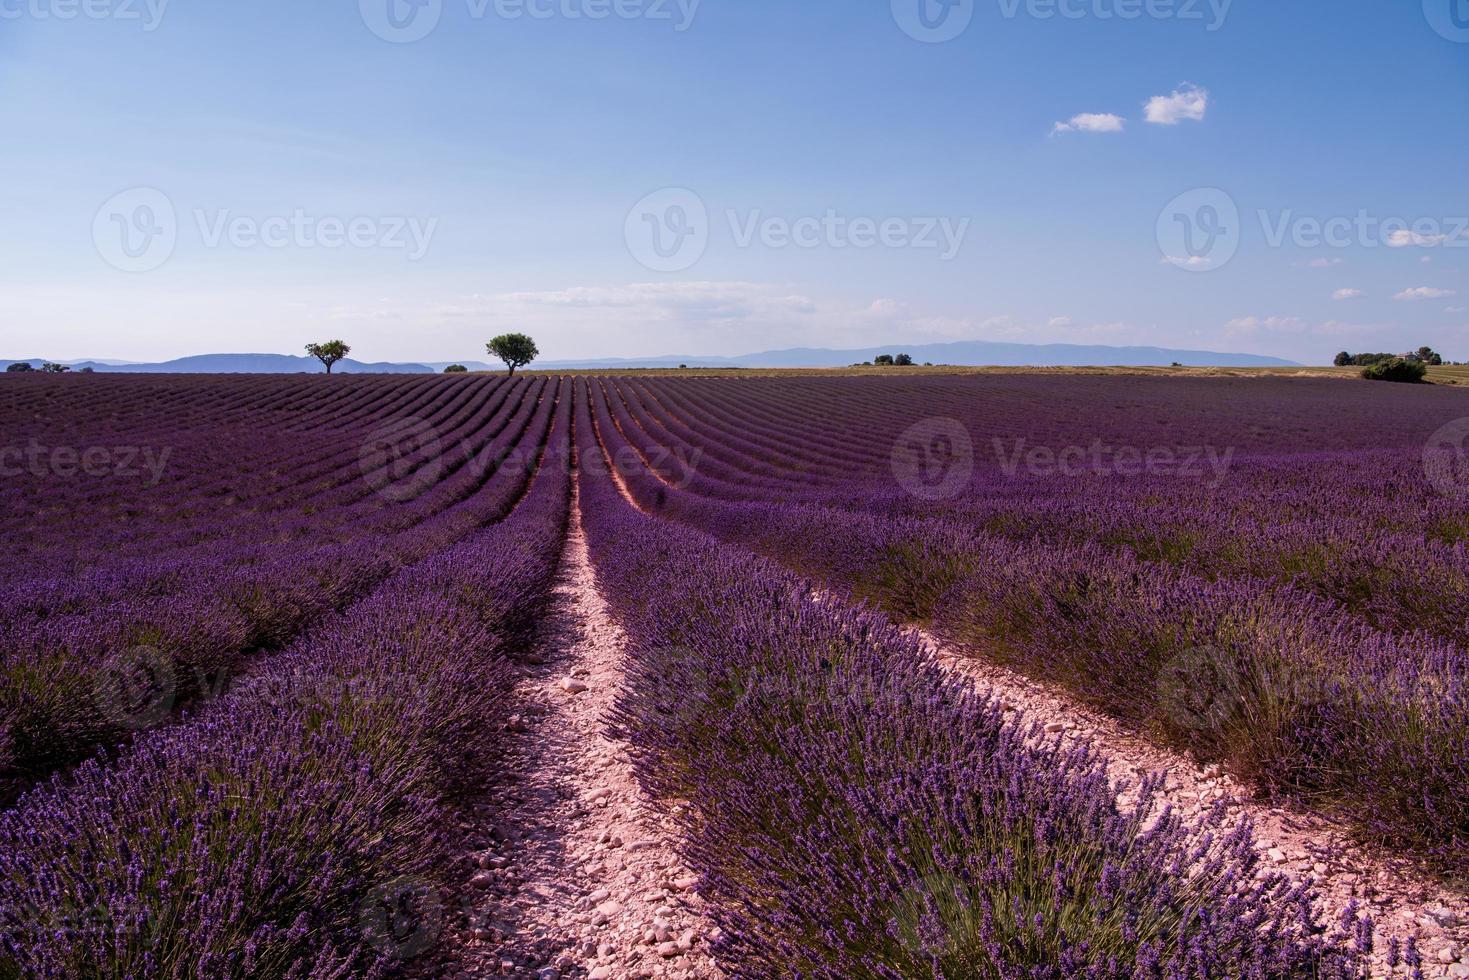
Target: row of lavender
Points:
(1369, 528)
(89, 661)
(857, 811)
(364, 487)
(167, 482)
(1289, 687)
(1272, 450)
(262, 836)
(230, 430)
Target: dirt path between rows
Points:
(578, 876)
(1401, 900)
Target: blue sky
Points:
(283, 173)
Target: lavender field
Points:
(1008, 676)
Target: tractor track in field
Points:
(1402, 900)
(572, 870)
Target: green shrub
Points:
(1397, 369)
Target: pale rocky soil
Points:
(1402, 901)
(577, 875)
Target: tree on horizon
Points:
(329, 353)
(515, 349)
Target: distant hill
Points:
(241, 364)
(968, 352)
(472, 365)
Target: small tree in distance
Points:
(515, 349)
(456, 369)
(1423, 355)
(18, 367)
(329, 353)
(883, 360)
(1397, 369)
(50, 368)
(903, 360)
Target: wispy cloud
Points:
(1265, 327)
(1266, 324)
(1403, 238)
(1188, 102)
(1425, 292)
(1348, 294)
(1323, 263)
(1091, 122)
(687, 300)
(1192, 261)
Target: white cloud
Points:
(1091, 122)
(1403, 238)
(1188, 101)
(1059, 321)
(1265, 327)
(687, 301)
(363, 313)
(1324, 263)
(1456, 309)
(1266, 324)
(1348, 294)
(1336, 328)
(1425, 292)
(1192, 261)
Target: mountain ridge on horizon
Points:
(956, 353)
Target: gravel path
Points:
(591, 884)
(1401, 900)
(577, 875)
